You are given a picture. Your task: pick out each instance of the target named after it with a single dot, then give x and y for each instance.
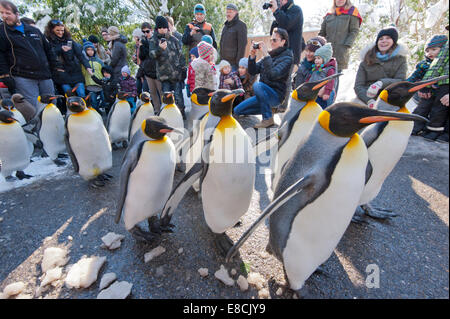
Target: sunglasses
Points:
(274, 40)
(56, 22)
(146, 31)
(315, 43)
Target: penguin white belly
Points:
(144, 112)
(306, 120)
(52, 131)
(174, 119)
(19, 117)
(150, 183)
(119, 122)
(14, 148)
(318, 227)
(197, 111)
(229, 182)
(89, 142)
(384, 154)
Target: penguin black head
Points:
(221, 103)
(308, 91)
(121, 95)
(48, 98)
(168, 97)
(345, 119)
(76, 104)
(399, 93)
(155, 127)
(7, 116)
(145, 97)
(7, 104)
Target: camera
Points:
(256, 46)
(162, 40)
(267, 5)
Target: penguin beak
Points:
(422, 84)
(384, 116)
(211, 94)
(228, 97)
(74, 89)
(167, 129)
(325, 81)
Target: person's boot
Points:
(265, 123)
(431, 135)
(443, 138)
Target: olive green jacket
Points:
(341, 31)
(393, 70)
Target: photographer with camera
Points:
(274, 70)
(289, 17)
(170, 62)
(194, 31)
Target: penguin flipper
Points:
(372, 132)
(369, 171)
(111, 111)
(179, 191)
(129, 163)
(73, 158)
(306, 184)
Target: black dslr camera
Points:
(256, 46)
(268, 5)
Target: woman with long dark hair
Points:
(70, 54)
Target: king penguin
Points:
(28, 111)
(174, 118)
(298, 120)
(146, 178)
(87, 142)
(15, 151)
(386, 142)
(50, 128)
(199, 106)
(119, 120)
(8, 105)
(226, 171)
(144, 109)
(319, 190)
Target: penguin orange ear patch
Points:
(211, 94)
(228, 97)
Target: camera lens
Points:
(267, 5)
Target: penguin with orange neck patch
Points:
(319, 190)
(386, 142)
(174, 118)
(226, 171)
(87, 142)
(144, 109)
(119, 121)
(146, 178)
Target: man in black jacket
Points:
(234, 38)
(26, 58)
(149, 65)
(289, 17)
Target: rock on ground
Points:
(54, 257)
(154, 253)
(84, 273)
(203, 272)
(13, 289)
(118, 290)
(51, 276)
(222, 275)
(256, 279)
(106, 280)
(112, 240)
(242, 283)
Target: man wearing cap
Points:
(234, 37)
(194, 31)
(170, 62)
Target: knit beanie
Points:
(199, 8)
(390, 32)
(232, 6)
(223, 64)
(325, 52)
(88, 44)
(314, 43)
(93, 39)
(126, 69)
(113, 31)
(205, 50)
(243, 62)
(194, 52)
(161, 22)
(207, 39)
(437, 41)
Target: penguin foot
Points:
(359, 216)
(141, 235)
(378, 213)
(21, 175)
(124, 144)
(321, 271)
(156, 225)
(10, 178)
(114, 147)
(104, 177)
(62, 155)
(303, 293)
(59, 163)
(38, 144)
(238, 224)
(96, 183)
(44, 154)
(223, 243)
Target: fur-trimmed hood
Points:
(403, 50)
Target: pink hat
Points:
(205, 50)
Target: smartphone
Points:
(163, 40)
(69, 44)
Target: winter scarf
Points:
(353, 11)
(388, 56)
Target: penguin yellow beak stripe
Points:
(426, 83)
(228, 97)
(331, 77)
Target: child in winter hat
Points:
(323, 55)
(228, 80)
(205, 71)
(324, 66)
(128, 84)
